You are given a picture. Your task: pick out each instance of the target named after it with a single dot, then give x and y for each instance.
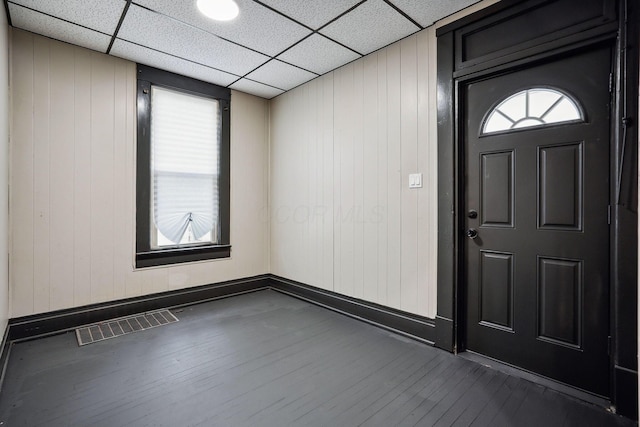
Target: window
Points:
(531, 108)
(182, 169)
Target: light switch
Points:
(415, 180)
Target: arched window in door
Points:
(538, 106)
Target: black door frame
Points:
(455, 68)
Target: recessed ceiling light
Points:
(220, 10)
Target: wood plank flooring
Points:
(267, 359)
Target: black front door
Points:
(537, 206)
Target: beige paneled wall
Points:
(73, 183)
(342, 147)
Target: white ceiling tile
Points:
(318, 54)
(166, 62)
(154, 30)
(370, 26)
(256, 26)
(57, 29)
(98, 15)
(255, 88)
(174, 36)
(281, 75)
(314, 13)
(430, 11)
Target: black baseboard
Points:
(38, 325)
(5, 351)
(626, 392)
(413, 326)
(57, 321)
(445, 338)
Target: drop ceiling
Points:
(273, 45)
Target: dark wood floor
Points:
(266, 359)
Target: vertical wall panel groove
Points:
(309, 153)
(61, 179)
(383, 183)
(120, 176)
(41, 169)
(409, 161)
(81, 180)
(394, 175)
(133, 283)
(328, 194)
(21, 214)
(103, 103)
(426, 235)
(358, 181)
(5, 149)
(370, 178)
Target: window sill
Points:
(180, 255)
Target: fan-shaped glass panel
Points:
(531, 108)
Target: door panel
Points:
(496, 289)
(497, 189)
(537, 259)
(560, 187)
(560, 300)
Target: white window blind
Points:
(185, 153)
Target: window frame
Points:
(563, 93)
(146, 256)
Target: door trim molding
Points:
(450, 334)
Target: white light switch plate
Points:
(415, 180)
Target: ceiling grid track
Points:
(6, 9)
(403, 13)
(272, 47)
(115, 33)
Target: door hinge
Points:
(610, 82)
(609, 214)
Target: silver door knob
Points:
(472, 233)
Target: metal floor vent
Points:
(122, 326)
